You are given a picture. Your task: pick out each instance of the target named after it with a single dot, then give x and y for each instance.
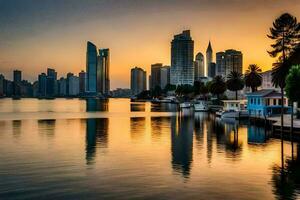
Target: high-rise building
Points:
(199, 67)
(2, 85)
(82, 80)
(160, 76)
(103, 81)
(17, 83)
(212, 71)
(182, 56)
(42, 85)
(155, 75)
(220, 63)
(17, 76)
(138, 80)
(51, 82)
(91, 68)
(164, 76)
(209, 58)
(228, 61)
(73, 85)
(62, 87)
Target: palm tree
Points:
(235, 82)
(253, 78)
(286, 34)
(217, 86)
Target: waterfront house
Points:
(265, 103)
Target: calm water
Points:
(73, 149)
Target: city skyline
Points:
(59, 36)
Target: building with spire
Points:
(209, 60)
(182, 56)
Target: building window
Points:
(274, 102)
(251, 100)
(280, 102)
(258, 101)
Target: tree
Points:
(292, 84)
(286, 34)
(156, 92)
(204, 89)
(217, 86)
(197, 86)
(235, 82)
(170, 87)
(253, 78)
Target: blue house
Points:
(265, 103)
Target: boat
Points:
(185, 105)
(201, 105)
(234, 109)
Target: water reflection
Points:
(286, 180)
(93, 105)
(96, 137)
(137, 107)
(16, 125)
(47, 127)
(137, 127)
(257, 135)
(182, 144)
(163, 107)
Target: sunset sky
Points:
(38, 34)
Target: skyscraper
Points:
(17, 76)
(155, 75)
(138, 80)
(199, 67)
(42, 85)
(103, 82)
(91, 68)
(230, 60)
(82, 79)
(51, 82)
(17, 83)
(182, 55)
(209, 58)
(160, 76)
(164, 76)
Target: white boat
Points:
(234, 109)
(201, 105)
(185, 105)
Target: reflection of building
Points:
(137, 127)
(47, 127)
(182, 144)
(138, 80)
(182, 56)
(96, 136)
(96, 105)
(137, 107)
(256, 135)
